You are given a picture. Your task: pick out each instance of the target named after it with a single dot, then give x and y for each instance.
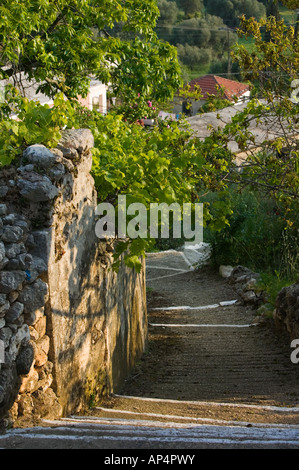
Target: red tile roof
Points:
(209, 83)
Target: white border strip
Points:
(166, 268)
(172, 252)
(202, 307)
(227, 303)
(168, 275)
(153, 253)
(187, 261)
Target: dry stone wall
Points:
(286, 312)
(71, 328)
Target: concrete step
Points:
(197, 412)
(125, 422)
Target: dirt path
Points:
(203, 351)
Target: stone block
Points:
(3, 209)
(2, 251)
(32, 318)
(46, 404)
(11, 280)
(81, 140)
(39, 155)
(34, 296)
(41, 326)
(12, 234)
(25, 405)
(14, 312)
(25, 359)
(225, 271)
(21, 337)
(37, 188)
(41, 244)
(4, 308)
(29, 382)
(14, 249)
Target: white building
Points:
(95, 100)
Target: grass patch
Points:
(273, 284)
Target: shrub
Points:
(258, 235)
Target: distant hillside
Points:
(205, 30)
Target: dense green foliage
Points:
(275, 65)
(62, 44)
(158, 165)
(257, 236)
(231, 10)
(263, 229)
(60, 48)
(25, 122)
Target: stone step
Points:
(201, 412)
(216, 314)
(103, 433)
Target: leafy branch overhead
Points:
(61, 44)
